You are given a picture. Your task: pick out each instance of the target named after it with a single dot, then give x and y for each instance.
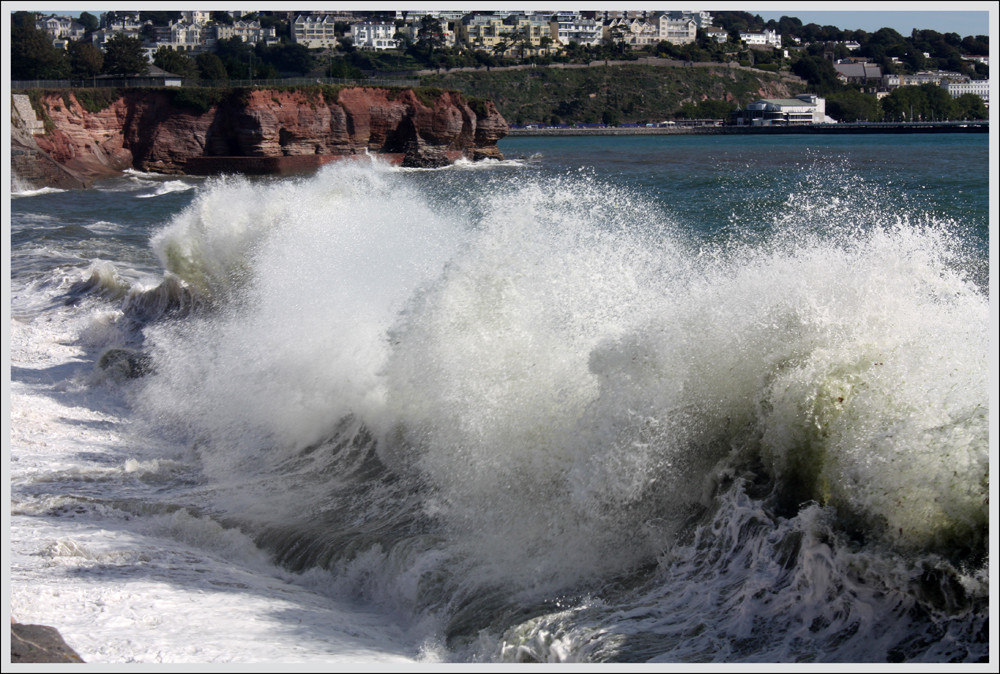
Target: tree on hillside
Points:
(85, 59)
(236, 56)
(210, 66)
(851, 105)
(23, 19)
(970, 106)
(160, 18)
(789, 25)
(818, 72)
(288, 58)
(924, 103)
(89, 22)
(430, 33)
(123, 55)
(976, 46)
(32, 56)
(175, 62)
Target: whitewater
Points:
(520, 411)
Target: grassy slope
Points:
(633, 93)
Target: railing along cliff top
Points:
(145, 82)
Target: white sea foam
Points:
(167, 188)
(125, 582)
(22, 191)
(570, 383)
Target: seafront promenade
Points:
(881, 127)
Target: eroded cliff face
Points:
(259, 130)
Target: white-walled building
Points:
(717, 34)
(893, 80)
(377, 35)
(803, 109)
(315, 31)
(248, 31)
(180, 36)
(769, 38)
(572, 27)
(980, 88)
(633, 31)
(677, 27)
(197, 18)
(61, 27)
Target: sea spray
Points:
(468, 403)
(306, 277)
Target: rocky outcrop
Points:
(39, 644)
(254, 130)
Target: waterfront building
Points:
(803, 109)
(980, 88)
(893, 80)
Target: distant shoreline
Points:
(917, 127)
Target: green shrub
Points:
(428, 95)
(479, 107)
(95, 100)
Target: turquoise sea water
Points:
(683, 399)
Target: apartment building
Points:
(572, 27)
(315, 31)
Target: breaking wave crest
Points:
(536, 383)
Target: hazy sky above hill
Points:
(961, 22)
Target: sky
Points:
(964, 18)
(962, 22)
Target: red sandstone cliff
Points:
(258, 130)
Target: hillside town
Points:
(198, 48)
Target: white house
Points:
(633, 31)
(61, 27)
(717, 34)
(199, 18)
(769, 38)
(375, 35)
(180, 36)
(677, 27)
(250, 32)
